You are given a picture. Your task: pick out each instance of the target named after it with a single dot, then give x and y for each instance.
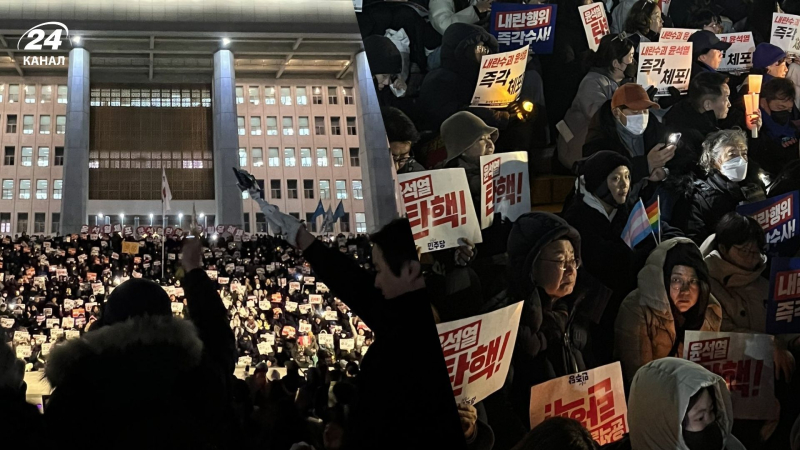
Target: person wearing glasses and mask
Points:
(544, 257)
(730, 181)
(673, 296)
(777, 144)
(735, 259)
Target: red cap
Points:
(632, 96)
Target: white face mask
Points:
(734, 169)
(637, 123)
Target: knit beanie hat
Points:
(766, 55)
(133, 298)
(595, 169)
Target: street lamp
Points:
(180, 220)
(122, 219)
(225, 42)
(151, 219)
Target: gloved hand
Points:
(284, 224)
(651, 92)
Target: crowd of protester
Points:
(147, 373)
(590, 299)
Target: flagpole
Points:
(163, 213)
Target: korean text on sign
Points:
(439, 207)
(665, 65)
(778, 217)
(517, 26)
(505, 187)
(745, 361)
(595, 23)
(500, 79)
(784, 32)
(596, 398)
(478, 350)
(783, 306)
(675, 34)
(739, 57)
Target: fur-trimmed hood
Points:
(150, 344)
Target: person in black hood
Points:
(544, 256)
(449, 88)
(700, 113)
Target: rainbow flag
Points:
(638, 227)
(654, 216)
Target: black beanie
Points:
(595, 169)
(383, 56)
(133, 298)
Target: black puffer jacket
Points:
(715, 196)
(448, 89)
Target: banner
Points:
(665, 65)
(596, 398)
(738, 58)
(778, 217)
(783, 305)
(439, 207)
(595, 23)
(784, 32)
(516, 26)
(478, 352)
(131, 248)
(745, 362)
(505, 186)
(500, 78)
(676, 34)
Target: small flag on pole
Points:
(166, 194)
(638, 226)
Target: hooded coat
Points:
(449, 88)
(659, 400)
(694, 126)
(645, 327)
(741, 293)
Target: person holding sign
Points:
(673, 296)
(399, 278)
(625, 125)
(678, 404)
(609, 64)
(735, 259)
(706, 52)
(730, 182)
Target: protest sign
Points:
(263, 304)
(325, 340)
(304, 308)
(321, 287)
(269, 338)
(665, 65)
(783, 305)
(347, 344)
(505, 187)
(50, 323)
(784, 32)
(97, 288)
(330, 315)
(127, 231)
(778, 217)
(245, 360)
(84, 229)
(177, 307)
(595, 23)
(739, 57)
(675, 34)
(107, 229)
(264, 348)
(529, 26)
(294, 286)
(72, 334)
(6, 322)
(291, 306)
(46, 348)
(500, 79)
(212, 274)
(305, 327)
(61, 272)
(745, 362)
(276, 297)
(596, 398)
(223, 280)
(439, 208)
(130, 248)
(67, 322)
(477, 351)
(23, 351)
(308, 280)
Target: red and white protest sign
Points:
(505, 186)
(739, 57)
(784, 32)
(665, 65)
(675, 34)
(127, 231)
(107, 229)
(745, 361)
(439, 207)
(500, 78)
(478, 352)
(84, 229)
(117, 228)
(95, 230)
(596, 398)
(595, 23)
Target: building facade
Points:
(169, 96)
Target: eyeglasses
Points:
(744, 251)
(678, 283)
(563, 264)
